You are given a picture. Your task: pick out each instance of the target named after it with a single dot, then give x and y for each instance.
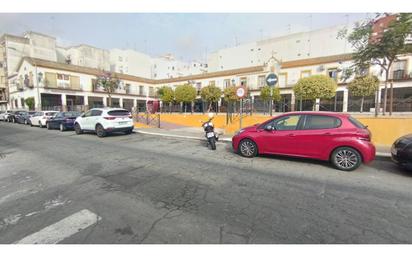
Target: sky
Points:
(188, 36)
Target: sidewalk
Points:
(198, 134)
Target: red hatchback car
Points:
(335, 137)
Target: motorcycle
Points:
(211, 136)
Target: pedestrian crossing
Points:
(62, 229)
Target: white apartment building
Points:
(312, 44)
(167, 66)
(130, 62)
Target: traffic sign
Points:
(271, 79)
(241, 92)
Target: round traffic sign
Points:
(271, 79)
(241, 92)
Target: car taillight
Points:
(109, 118)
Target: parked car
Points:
(11, 116)
(62, 121)
(40, 118)
(104, 120)
(5, 116)
(23, 117)
(335, 137)
(2, 114)
(401, 152)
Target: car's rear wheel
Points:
(100, 132)
(248, 148)
(40, 125)
(78, 129)
(25, 122)
(62, 128)
(48, 125)
(346, 158)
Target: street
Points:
(133, 189)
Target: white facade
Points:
(130, 62)
(312, 44)
(89, 56)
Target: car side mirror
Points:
(269, 128)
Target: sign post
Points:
(271, 80)
(241, 93)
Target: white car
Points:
(104, 120)
(40, 118)
(3, 115)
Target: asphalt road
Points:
(58, 187)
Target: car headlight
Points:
(239, 132)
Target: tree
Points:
(364, 86)
(211, 94)
(185, 94)
(380, 49)
(313, 87)
(265, 94)
(230, 97)
(109, 82)
(167, 95)
(30, 102)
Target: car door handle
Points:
(327, 134)
(291, 135)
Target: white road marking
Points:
(62, 229)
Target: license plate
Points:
(122, 122)
(210, 134)
(394, 151)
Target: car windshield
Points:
(71, 114)
(118, 113)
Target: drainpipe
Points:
(38, 90)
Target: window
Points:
(305, 73)
(243, 81)
(212, 83)
(96, 113)
(88, 114)
(141, 90)
(127, 88)
(399, 69)
(120, 59)
(22, 102)
(261, 81)
(321, 122)
(119, 113)
(151, 91)
(356, 123)
(333, 73)
(226, 83)
(283, 79)
(285, 123)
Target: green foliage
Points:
(316, 86)
(30, 102)
(211, 93)
(166, 94)
(384, 51)
(364, 86)
(185, 93)
(265, 93)
(230, 94)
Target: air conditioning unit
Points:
(321, 68)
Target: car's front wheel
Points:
(346, 158)
(78, 129)
(40, 125)
(48, 125)
(100, 132)
(62, 128)
(248, 148)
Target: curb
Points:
(177, 136)
(379, 155)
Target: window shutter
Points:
(51, 79)
(75, 82)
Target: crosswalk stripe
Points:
(62, 229)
